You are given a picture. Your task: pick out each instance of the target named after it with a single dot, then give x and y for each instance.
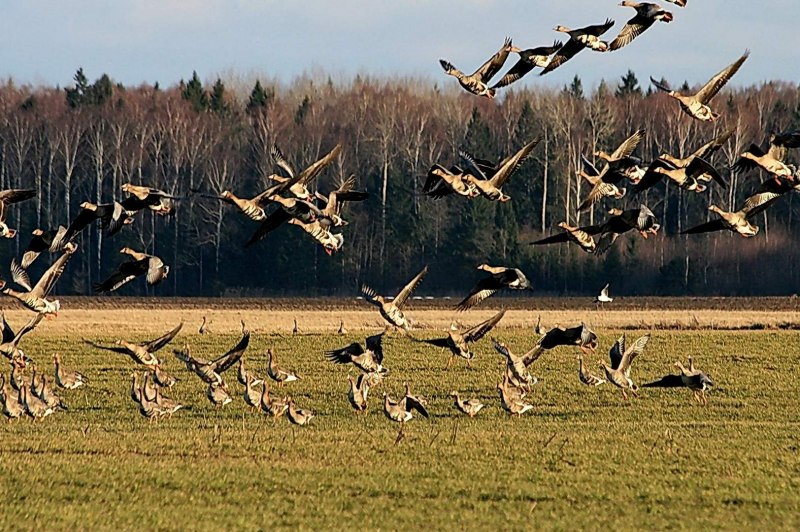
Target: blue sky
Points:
(44, 41)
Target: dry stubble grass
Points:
(583, 458)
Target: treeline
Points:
(81, 143)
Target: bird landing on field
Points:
(603, 297)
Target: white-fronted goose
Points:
(276, 373)
(332, 203)
(342, 330)
(704, 152)
(488, 178)
(205, 327)
(9, 342)
(148, 387)
(331, 242)
(580, 336)
(252, 396)
(458, 342)
(18, 377)
(470, 407)
(273, 407)
(773, 159)
(10, 402)
(689, 177)
(691, 378)
(646, 15)
(511, 399)
(218, 394)
(402, 411)
(34, 407)
(517, 366)
(9, 197)
(737, 221)
(478, 82)
(34, 298)
(162, 378)
(149, 408)
(49, 396)
(588, 37)
(141, 353)
(499, 278)
(618, 165)
(441, 182)
(298, 416)
(619, 372)
(210, 371)
(368, 359)
(296, 184)
(528, 60)
(139, 264)
(40, 242)
(168, 406)
(242, 375)
(603, 296)
(359, 390)
(144, 197)
(574, 234)
(390, 310)
(696, 105)
(585, 376)
(113, 217)
(66, 378)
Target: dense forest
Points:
(81, 143)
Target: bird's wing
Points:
(605, 242)
(617, 351)
(280, 160)
(154, 345)
(230, 358)
(483, 289)
(604, 291)
(634, 350)
(126, 272)
(517, 71)
(473, 334)
(494, 64)
(307, 175)
(758, 203)
(667, 381)
(450, 69)
(274, 220)
(598, 29)
(767, 191)
(438, 342)
(412, 403)
(20, 276)
(13, 195)
(743, 164)
(589, 168)
(700, 166)
(553, 239)
(84, 218)
(709, 148)
(28, 327)
(787, 139)
(564, 54)
(630, 31)
(651, 177)
(708, 227)
(7, 331)
(375, 344)
(716, 83)
(533, 355)
(114, 348)
(660, 86)
(50, 276)
(407, 289)
(628, 145)
(345, 354)
(510, 165)
(472, 162)
(600, 190)
(156, 270)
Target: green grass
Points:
(583, 458)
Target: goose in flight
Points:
(297, 182)
(141, 353)
(528, 60)
(367, 358)
(478, 82)
(10, 197)
(603, 297)
(391, 310)
(458, 341)
(40, 242)
(773, 160)
(619, 372)
(738, 221)
(697, 381)
(441, 182)
(35, 297)
(588, 37)
(619, 164)
(139, 264)
(696, 105)
(647, 14)
(112, 216)
(489, 178)
(499, 278)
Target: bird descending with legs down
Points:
(691, 378)
(141, 353)
(458, 342)
(391, 310)
(619, 372)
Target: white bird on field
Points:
(603, 297)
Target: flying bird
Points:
(391, 310)
(588, 37)
(140, 264)
(458, 341)
(478, 82)
(499, 278)
(528, 60)
(646, 15)
(603, 297)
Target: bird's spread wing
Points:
(494, 64)
(406, 291)
(700, 166)
(272, 222)
(635, 349)
(628, 145)
(616, 352)
(662, 86)
(598, 29)
(667, 381)
(375, 344)
(345, 354)
(20, 276)
(483, 289)
(154, 345)
(232, 357)
(519, 69)
(307, 175)
(51, 275)
(473, 334)
(10, 196)
(533, 355)
(709, 148)
(156, 270)
(510, 165)
(564, 54)
(716, 83)
(708, 227)
(280, 160)
(630, 31)
(126, 272)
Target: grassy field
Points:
(582, 458)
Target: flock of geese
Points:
(292, 200)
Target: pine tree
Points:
(260, 98)
(575, 89)
(629, 86)
(479, 140)
(302, 110)
(101, 90)
(194, 93)
(77, 95)
(217, 101)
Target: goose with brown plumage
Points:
(488, 178)
(391, 311)
(579, 39)
(10, 197)
(478, 82)
(141, 353)
(498, 278)
(367, 358)
(457, 342)
(35, 297)
(67, 378)
(40, 242)
(528, 60)
(618, 372)
(152, 267)
(647, 14)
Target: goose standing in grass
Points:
(204, 327)
(9, 342)
(35, 298)
(368, 358)
(588, 37)
(458, 342)
(67, 378)
(168, 406)
(112, 216)
(470, 407)
(141, 353)
(478, 82)
(619, 372)
(162, 378)
(359, 390)
(646, 15)
(298, 416)
(148, 408)
(441, 182)
(603, 296)
(499, 278)
(690, 177)
(276, 373)
(585, 376)
(488, 178)
(574, 234)
(619, 164)
(528, 60)
(773, 160)
(696, 105)
(273, 407)
(218, 394)
(295, 328)
(49, 396)
(10, 401)
(139, 264)
(694, 379)
(40, 242)
(18, 377)
(34, 407)
(10, 197)
(342, 330)
(391, 310)
(252, 396)
(242, 375)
